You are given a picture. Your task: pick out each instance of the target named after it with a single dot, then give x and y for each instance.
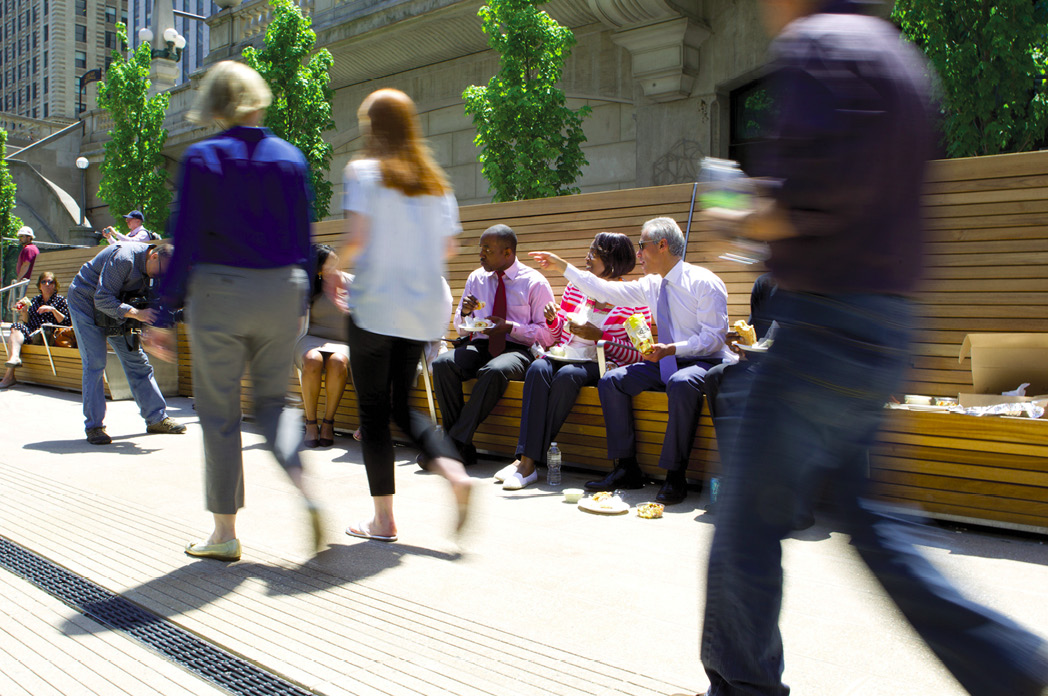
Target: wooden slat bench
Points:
(986, 272)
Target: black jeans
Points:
(384, 369)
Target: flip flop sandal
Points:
(358, 530)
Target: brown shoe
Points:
(166, 426)
(98, 436)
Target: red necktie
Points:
(497, 344)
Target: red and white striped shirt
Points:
(614, 326)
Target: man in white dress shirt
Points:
(690, 306)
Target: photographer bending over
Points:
(98, 301)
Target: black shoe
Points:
(468, 452)
(422, 461)
(626, 476)
(98, 436)
(674, 490)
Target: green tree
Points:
(133, 171)
(301, 109)
(992, 64)
(9, 224)
(531, 142)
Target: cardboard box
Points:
(1001, 362)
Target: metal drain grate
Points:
(199, 657)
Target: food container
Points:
(639, 332)
(918, 400)
(572, 495)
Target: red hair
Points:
(393, 136)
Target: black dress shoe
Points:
(422, 461)
(468, 452)
(626, 476)
(674, 490)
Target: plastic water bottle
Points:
(553, 465)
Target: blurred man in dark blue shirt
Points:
(846, 166)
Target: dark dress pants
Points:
(684, 395)
(450, 370)
(550, 391)
(384, 370)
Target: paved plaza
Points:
(537, 598)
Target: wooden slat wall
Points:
(987, 271)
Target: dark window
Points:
(752, 110)
(45, 12)
(109, 61)
(34, 112)
(123, 17)
(45, 88)
(34, 65)
(81, 7)
(45, 59)
(45, 110)
(81, 33)
(45, 32)
(34, 90)
(80, 59)
(110, 15)
(110, 39)
(34, 39)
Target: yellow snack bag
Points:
(639, 332)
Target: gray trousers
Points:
(243, 317)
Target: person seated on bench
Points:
(46, 308)
(513, 298)
(690, 305)
(322, 353)
(552, 385)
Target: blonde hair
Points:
(230, 92)
(393, 136)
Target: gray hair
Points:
(230, 92)
(668, 229)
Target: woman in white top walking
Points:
(401, 222)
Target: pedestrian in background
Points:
(401, 222)
(853, 131)
(242, 235)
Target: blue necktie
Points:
(668, 364)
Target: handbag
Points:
(63, 337)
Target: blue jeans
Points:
(91, 341)
(815, 406)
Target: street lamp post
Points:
(82, 164)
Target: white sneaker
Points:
(516, 481)
(505, 472)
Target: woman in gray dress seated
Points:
(323, 351)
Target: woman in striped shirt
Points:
(553, 382)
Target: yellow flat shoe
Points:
(227, 551)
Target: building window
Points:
(34, 39)
(45, 14)
(80, 59)
(123, 16)
(110, 39)
(110, 15)
(45, 59)
(81, 8)
(81, 33)
(34, 90)
(34, 112)
(34, 65)
(45, 32)
(752, 110)
(45, 87)
(45, 110)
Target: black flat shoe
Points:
(625, 476)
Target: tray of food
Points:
(604, 503)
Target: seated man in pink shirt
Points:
(512, 297)
(137, 231)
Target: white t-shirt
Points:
(399, 286)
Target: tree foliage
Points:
(301, 108)
(531, 142)
(133, 171)
(9, 224)
(992, 60)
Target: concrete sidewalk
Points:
(540, 598)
